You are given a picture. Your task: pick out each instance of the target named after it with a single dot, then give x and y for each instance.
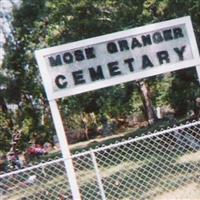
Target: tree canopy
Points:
(45, 23)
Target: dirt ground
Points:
(189, 192)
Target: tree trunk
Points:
(3, 104)
(147, 102)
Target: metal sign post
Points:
(65, 149)
(198, 73)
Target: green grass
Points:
(144, 178)
(125, 175)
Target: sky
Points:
(6, 7)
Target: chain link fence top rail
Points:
(150, 167)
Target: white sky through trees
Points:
(6, 7)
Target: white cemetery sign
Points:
(111, 59)
(119, 57)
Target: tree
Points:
(22, 88)
(147, 102)
(38, 24)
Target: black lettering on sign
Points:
(157, 37)
(123, 45)
(114, 68)
(146, 62)
(135, 43)
(146, 40)
(79, 55)
(55, 61)
(60, 81)
(78, 77)
(129, 61)
(180, 52)
(163, 57)
(112, 47)
(96, 74)
(167, 34)
(67, 57)
(178, 33)
(90, 53)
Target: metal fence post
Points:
(99, 179)
(65, 150)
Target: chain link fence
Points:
(150, 167)
(44, 181)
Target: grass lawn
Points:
(147, 170)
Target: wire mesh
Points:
(44, 181)
(86, 177)
(143, 168)
(148, 167)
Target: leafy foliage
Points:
(38, 24)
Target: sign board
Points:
(119, 57)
